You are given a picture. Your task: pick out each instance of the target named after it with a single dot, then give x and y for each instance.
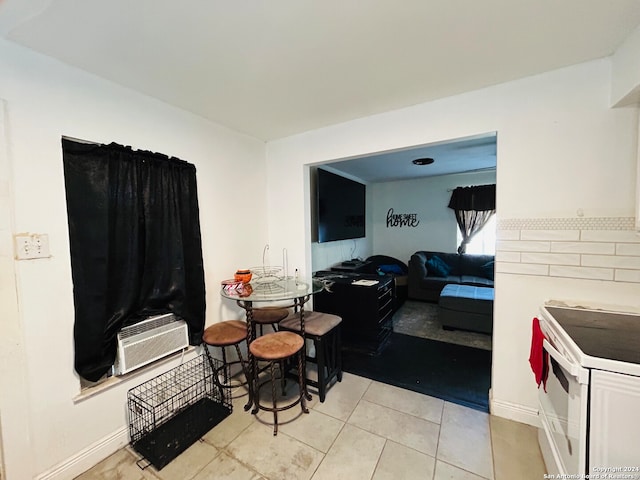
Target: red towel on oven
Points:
(538, 357)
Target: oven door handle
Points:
(576, 371)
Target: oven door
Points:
(563, 411)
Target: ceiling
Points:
(463, 155)
(274, 69)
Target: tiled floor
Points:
(364, 430)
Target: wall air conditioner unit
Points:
(150, 340)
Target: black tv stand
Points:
(366, 310)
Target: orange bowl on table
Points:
(243, 276)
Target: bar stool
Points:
(324, 330)
(274, 348)
(226, 334)
(269, 316)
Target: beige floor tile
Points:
(343, 397)
(390, 433)
(291, 393)
(226, 431)
(353, 456)
(398, 462)
(188, 463)
(406, 401)
(120, 465)
(516, 453)
(279, 457)
(316, 430)
(402, 428)
(445, 471)
(465, 440)
(290, 415)
(225, 467)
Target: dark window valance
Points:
(478, 198)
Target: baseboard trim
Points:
(513, 411)
(88, 457)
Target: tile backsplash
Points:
(602, 248)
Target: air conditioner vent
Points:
(150, 340)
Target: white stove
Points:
(590, 411)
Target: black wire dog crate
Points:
(170, 412)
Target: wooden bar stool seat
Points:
(324, 330)
(226, 334)
(275, 348)
(269, 316)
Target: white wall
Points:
(625, 84)
(44, 432)
(428, 199)
(560, 149)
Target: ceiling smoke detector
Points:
(423, 161)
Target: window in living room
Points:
(483, 242)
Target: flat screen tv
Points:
(340, 207)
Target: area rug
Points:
(454, 373)
(420, 319)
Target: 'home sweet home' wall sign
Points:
(401, 219)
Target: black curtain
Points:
(136, 251)
(473, 207)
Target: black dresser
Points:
(366, 310)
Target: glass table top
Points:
(272, 290)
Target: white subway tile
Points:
(581, 272)
(520, 246)
(628, 249)
(584, 247)
(626, 236)
(611, 261)
(522, 268)
(508, 235)
(550, 258)
(513, 257)
(551, 235)
(627, 276)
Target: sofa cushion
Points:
(475, 281)
(436, 283)
(488, 269)
(438, 267)
(472, 264)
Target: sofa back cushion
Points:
(451, 259)
(477, 265)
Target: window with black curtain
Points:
(473, 207)
(136, 251)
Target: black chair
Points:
(324, 330)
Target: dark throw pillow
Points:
(438, 266)
(487, 269)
